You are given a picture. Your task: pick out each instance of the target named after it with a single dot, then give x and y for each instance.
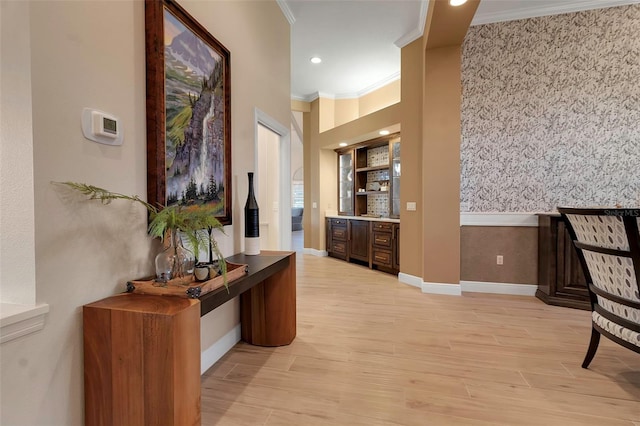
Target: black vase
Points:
(251, 222)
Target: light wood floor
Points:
(372, 351)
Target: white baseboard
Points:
(441, 288)
(216, 351)
(314, 252)
(468, 286)
(499, 288)
(410, 279)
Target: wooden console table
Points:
(267, 298)
(142, 352)
(142, 360)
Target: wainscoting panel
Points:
(480, 246)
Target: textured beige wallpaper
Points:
(550, 112)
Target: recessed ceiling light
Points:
(342, 144)
(384, 132)
(457, 2)
(315, 60)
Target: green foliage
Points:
(189, 220)
(188, 79)
(177, 125)
(105, 196)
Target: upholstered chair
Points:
(608, 245)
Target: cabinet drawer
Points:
(338, 222)
(339, 247)
(339, 233)
(382, 257)
(382, 239)
(382, 226)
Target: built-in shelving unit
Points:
(373, 168)
(369, 178)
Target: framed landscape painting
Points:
(188, 112)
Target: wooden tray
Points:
(188, 286)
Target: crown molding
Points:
(286, 11)
(324, 95)
(378, 85)
(313, 96)
(306, 98)
(417, 32)
(533, 12)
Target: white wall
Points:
(17, 245)
(91, 54)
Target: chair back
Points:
(608, 244)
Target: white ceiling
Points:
(359, 41)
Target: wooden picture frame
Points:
(188, 111)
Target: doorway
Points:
(273, 182)
(297, 182)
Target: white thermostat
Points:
(101, 127)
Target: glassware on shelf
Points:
(345, 196)
(395, 179)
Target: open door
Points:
(273, 183)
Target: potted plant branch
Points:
(170, 222)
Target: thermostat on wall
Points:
(101, 127)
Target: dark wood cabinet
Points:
(396, 246)
(561, 281)
(359, 246)
(382, 245)
(372, 242)
(337, 238)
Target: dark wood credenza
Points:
(372, 242)
(142, 352)
(561, 281)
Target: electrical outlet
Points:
(499, 260)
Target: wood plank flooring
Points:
(373, 351)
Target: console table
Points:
(267, 298)
(142, 352)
